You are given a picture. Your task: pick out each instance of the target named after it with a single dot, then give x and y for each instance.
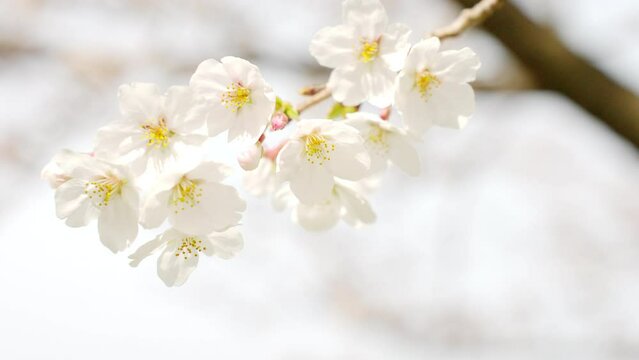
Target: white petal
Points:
(317, 217)
(367, 16)
(312, 183)
(210, 171)
(118, 139)
(346, 85)
(394, 46)
(155, 209)
(71, 199)
(224, 244)
(220, 207)
(175, 270)
(251, 120)
(240, 70)
(289, 159)
(378, 85)
(180, 110)
(146, 250)
(218, 118)
(335, 46)
(140, 101)
(410, 106)
(403, 155)
(350, 161)
(451, 105)
(457, 66)
(59, 169)
(358, 209)
(209, 80)
(118, 223)
(283, 198)
(423, 54)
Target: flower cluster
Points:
(149, 168)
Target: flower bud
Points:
(250, 157)
(279, 121)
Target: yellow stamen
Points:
(317, 149)
(236, 97)
(425, 81)
(103, 189)
(190, 246)
(369, 50)
(186, 193)
(157, 134)
(377, 139)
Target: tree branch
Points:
(313, 100)
(468, 18)
(558, 68)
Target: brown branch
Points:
(558, 68)
(314, 100)
(468, 18)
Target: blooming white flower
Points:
(58, 171)
(319, 151)
(193, 200)
(181, 252)
(97, 189)
(154, 128)
(235, 96)
(433, 87)
(346, 202)
(385, 143)
(364, 52)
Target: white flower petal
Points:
(119, 139)
(220, 207)
(175, 270)
(423, 54)
(335, 46)
(240, 70)
(70, 198)
(458, 66)
(367, 16)
(140, 101)
(378, 85)
(283, 198)
(180, 110)
(210, 80)
(403, 155)
(358, 209)
(147, 250)
(312, 183)
(155, 210)
(224, 244)
(451, 105)
(118, 224)
(289, 159)
(346, 85)
(317, 217)
(210, 171)
(350, 161)
(251, 121)
(394, 46)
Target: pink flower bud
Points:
(250, 157)
(279, 121)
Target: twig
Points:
(314, 100)
(468, 18)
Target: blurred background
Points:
(520, 239)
